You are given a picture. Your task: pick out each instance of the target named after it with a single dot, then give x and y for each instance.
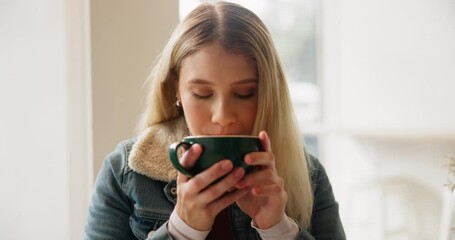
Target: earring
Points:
(178, 103)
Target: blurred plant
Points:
(451, 176)
(451, 185)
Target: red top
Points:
(221, 229)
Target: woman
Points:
(219, 74)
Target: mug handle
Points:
(173, 155)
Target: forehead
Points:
(215, 61)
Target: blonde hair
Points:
(241, 31)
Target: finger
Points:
(181, 178)
(268, 190)
(228, 199)
(207, 177)
(265, 141)
(190, 156)
(266, 159)
(224, 185)
(188, 159)
(259, 178)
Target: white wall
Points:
(46, 107)
(401, 54)
(46, 102)
(80, 133)
(388, 74)
(34, 181)
(126, 38)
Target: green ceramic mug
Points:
(214, 149)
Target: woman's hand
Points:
(266, 201)
(199, 200)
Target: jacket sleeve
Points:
(161, 233)
(110, 208)
(325, 221)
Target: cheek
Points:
(195, 112)
(249, 115)
(196, 115)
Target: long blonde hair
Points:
(240, 31)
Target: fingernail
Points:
(196, 147)
(239, 173)
(226, 165)
(249, 160)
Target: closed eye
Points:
(245, 96)
(198, 96)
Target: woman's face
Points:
(219, 92)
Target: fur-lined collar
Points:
(150, 154)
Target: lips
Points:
(218, 130)
(217, 134)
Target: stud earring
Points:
(178, 103)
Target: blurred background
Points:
(373, 85)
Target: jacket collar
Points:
(149, 155)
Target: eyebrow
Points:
(202, 81)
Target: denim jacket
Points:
(135, 193)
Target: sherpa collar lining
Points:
(149, 155)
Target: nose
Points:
(223, 114)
